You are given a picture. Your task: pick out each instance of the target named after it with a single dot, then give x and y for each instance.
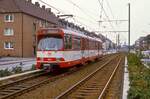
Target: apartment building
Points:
(143, 43)
(19, 21)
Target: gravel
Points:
(52, 89)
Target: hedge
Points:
(139, 77)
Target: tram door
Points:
(83, 45)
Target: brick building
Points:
(143, 43)
(19, 21)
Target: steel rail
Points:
(29, 87)
(110, 79)
(23, 79)
(68, 91)
(33, 86)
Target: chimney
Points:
(37, 4)
(49, 10)
(29, 0)
(43, 7)
(83, 28)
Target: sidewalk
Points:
(10, 62)
(126, 80)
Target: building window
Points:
(40, 23)
(9, 18)
(8, 45)
(8, 31)
(46, 24)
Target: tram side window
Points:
(91, 45)
(87, 44)
(96, 45)
(100, 45)
(77, 43)
(83, 44)
(68, 41)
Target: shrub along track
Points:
(18, 89)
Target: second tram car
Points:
(63, 48)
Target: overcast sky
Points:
(87, 13)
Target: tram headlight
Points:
(40, 59)
(59, 59)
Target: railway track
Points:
(95, 84)
(21, 79)
(24, 85)
(115, 89)
(20, 86)
(17, 86)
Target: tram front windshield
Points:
(50, 43)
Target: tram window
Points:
(77, 43)
(96, 45)
(83, 44)
(91, 45)
(68, 41)
(87, 44)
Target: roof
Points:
(7, 6)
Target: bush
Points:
(148, 64)
(17, 69)
(5, 72)
(139, 77)
(33, 67)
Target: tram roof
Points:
(74, 32)
(81, 34)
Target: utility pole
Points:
(129, 28)
(118, 40)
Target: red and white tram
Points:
(63, 48)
